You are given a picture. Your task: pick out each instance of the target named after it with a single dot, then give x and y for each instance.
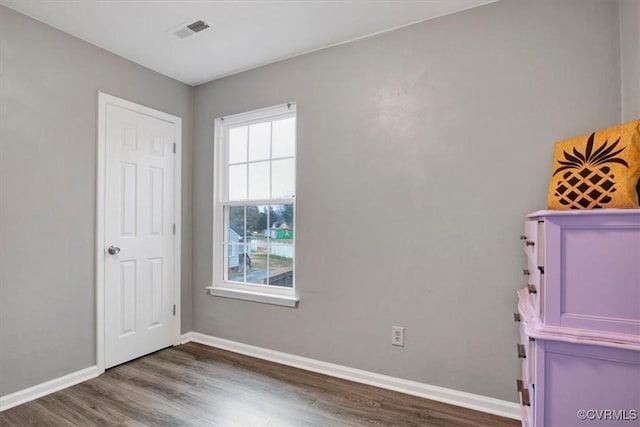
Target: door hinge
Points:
(174, 309)
(174, 148)
(174, 229)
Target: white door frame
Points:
(104, 100)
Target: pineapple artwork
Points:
(598, 171)
(588, 182)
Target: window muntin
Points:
(257, 200)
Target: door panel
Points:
(127, 297)
(139, 220)
(157, 193)
(128, 199)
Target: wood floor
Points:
(195, 385)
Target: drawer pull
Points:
(541, 269)
(526, 401)
(516, 317)
(519, 385)
(523, 237)
(525, 272)
(529, 243)
(532, 289)
(521, 352)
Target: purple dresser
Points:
(579, 317)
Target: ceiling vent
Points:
(184, 31)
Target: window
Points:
(254, 205)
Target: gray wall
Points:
(419, 153)
(630, 55)
(49, 84)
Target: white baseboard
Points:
(454, 397)
(31, 393)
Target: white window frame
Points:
(250, 292)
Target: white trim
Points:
(103, 100)
(463, 399)
(100, 195)
(248, 295)
(281, 201)
(43, 389)
(261, 114)
(189, 337)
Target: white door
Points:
(139, 235)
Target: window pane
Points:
(281, 228)
(259, 180)
(236, 265)
(238, 144)
(260, 141)
(257, 260)
(238, 182)
(236, 224)
(257, 221)
(284, 138)
(283, 178)
(281, 265)
(257, 241)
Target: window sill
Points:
(262, 297)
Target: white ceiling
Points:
(244, 34)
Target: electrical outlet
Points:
(397, 336)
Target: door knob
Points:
(113, 250)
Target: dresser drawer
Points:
(525, 391)
(535, 286)
(533, 241)
(526, 351)
(530, 240)
(526, 371)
